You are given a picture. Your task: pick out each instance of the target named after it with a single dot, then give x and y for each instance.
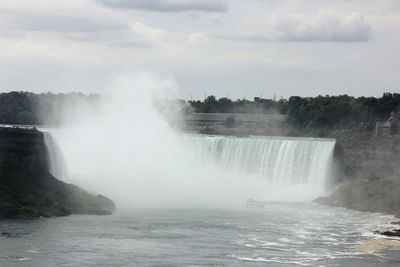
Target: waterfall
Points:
(277, 160)
(55, 157)
(192, 169)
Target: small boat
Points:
(251, 203)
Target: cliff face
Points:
(367, 157)
(380, 195)
(368, 174)
(28, 190)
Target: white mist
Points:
(126, 151)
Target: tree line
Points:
(307, 113)
(27, 108)
(330, 113)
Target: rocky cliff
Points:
(28, 190)
(368, 174)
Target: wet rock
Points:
(393, 233)
(28, 190)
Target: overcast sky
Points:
(240, 48)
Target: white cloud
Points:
(326, 26)
(284, 44)
(169, 5)
(149, 33)
(53, 23)
(196, 37)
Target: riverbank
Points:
(28, 190)
(380, 195)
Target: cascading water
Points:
(198, 169)
(277, 160)
(55, 158)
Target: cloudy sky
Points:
(239, 48)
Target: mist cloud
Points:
(169, 5)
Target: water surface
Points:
(279, 235)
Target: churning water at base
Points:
(279, 235)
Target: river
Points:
(281, 234)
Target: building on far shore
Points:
(389, 127)
(231, 120)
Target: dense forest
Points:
(330, 113)
(326, 113)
